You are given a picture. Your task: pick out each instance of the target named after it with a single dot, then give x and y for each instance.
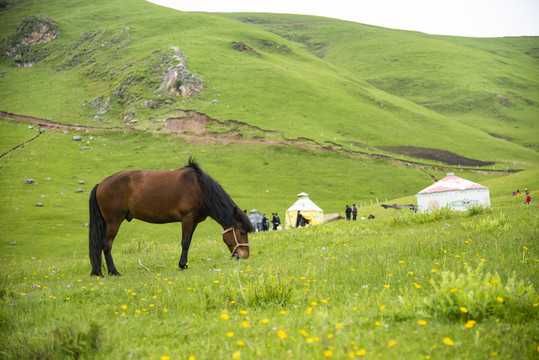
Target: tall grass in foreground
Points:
(447, 288)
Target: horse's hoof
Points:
(181, 268)
(93, 273)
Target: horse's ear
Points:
(243, 218)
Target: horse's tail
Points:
(98, 228)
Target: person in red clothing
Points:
(528, 199)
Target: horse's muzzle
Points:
(241, 253)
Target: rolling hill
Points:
(336, 83)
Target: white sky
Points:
(475, 18)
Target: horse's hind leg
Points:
(112, 230)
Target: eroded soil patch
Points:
(444, 156)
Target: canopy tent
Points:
(457, 193)
(307, 209)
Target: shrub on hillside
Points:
(411, 218)
(476, 295)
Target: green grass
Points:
(341, 287)
(441, 93)
(267, 178)
(318, 292)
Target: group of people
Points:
(276, 221)
(527, 192)
(302, 219)
(351, 212)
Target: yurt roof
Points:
(254, 212)
(304, 204)
(451, 183)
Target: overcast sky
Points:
(476, 18)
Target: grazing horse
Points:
(187, 195)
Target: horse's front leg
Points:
(188, 228)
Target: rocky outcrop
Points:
(177, 79)
(32, 31)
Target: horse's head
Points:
(237, 241)
(236, 237)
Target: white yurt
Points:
(307, 208)
(457, 193)
(256, 219)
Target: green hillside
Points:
(485, 83)
(334, 82)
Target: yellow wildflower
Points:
(470, 323)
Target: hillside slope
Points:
(487, 83)
(305, 77)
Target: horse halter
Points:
(235, 238)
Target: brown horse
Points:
(186, 195)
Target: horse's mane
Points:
(217, 201)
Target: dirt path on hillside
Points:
(47, 124)
(201, 135)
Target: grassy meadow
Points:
(402, 286)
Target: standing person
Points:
(528, 199)
(354, 212)
(299, 220)
(348, 212)
(276, 221)
(265, 225)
